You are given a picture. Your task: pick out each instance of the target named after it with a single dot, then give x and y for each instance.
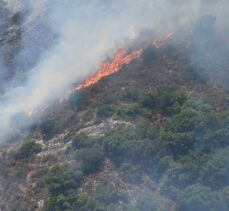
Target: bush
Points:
(150, 202)
(28, 149)
(147, 99)
(126, 111)
(130, 173)
(105, 111)
(62, 178)
(72, 201)
(83, 141)
(125, 144)
(189, 129)
(180, 175)
(61, 202)
(108, 194)
(130, 96)
(196, 197)
(146, 130)
(215, 172)
(62, 182)
(91, 159)
(221, 134)
(170, 100)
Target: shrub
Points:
(225, 119)
(130, 173)
(170, 100)
(108, 194)
(72, 201)
(215, 172)
(83, 141)
(62, 182)
(28, 149)
(126, 111)
(195, 197)
(91, 159)
(189, 129)
(105, 111)
(181, 175)
(147, 99)
(150, 202)
(130, 96)
(221, 134)
(60, 202)
(62, 178)
(85, 202)
(125, 144)
(146, 130)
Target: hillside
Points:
(152, 136)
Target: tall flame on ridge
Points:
(121, 59)
(106, 68)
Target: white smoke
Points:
(86, 32)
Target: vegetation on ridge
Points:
(168, 152)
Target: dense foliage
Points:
(186, 155)
(28, 149)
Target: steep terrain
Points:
(152, 136)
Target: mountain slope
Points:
(153, 136)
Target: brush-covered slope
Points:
(153, 136)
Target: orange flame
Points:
(157, 43)
(121, 59)
(107, 68)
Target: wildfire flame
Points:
(121, 59)
(106, 68)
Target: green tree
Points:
(215, 173)
(147, 99)
(126, 144)
(28, 149)
(83, 141)
(170, 100)
(105, 111)
(91, 159)
(126, 111)
(108, 194)
(130, 173)
(189, 129)
(195, 197)
(62, 178)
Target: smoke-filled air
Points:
(60, 43)
(114, 105)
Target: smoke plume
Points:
(61, 42)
